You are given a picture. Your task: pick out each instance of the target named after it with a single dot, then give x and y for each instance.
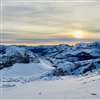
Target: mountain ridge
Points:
(67, 60)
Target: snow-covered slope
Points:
(67, 88)
(25, 69)
(24, 73)
(50, 72)
(78, 59)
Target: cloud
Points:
(41, 17)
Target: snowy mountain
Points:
(50, 72)
(14, 54)
(67, 60)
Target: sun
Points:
(77, 34)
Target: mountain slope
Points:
(23, 73)
(50, 72)
(66, 88)
(67, 60)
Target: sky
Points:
(36, 22)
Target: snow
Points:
(66, 66)
(27, 69)
(23, 70)
(66, 88)
(93, 52)
(13, 50)
(23, 73)
(51, 72)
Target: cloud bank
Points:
(48, 20)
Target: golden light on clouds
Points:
(77, 34)
(35, 23)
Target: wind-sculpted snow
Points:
(67, 60)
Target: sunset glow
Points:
(77, 34)
(50, 22)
